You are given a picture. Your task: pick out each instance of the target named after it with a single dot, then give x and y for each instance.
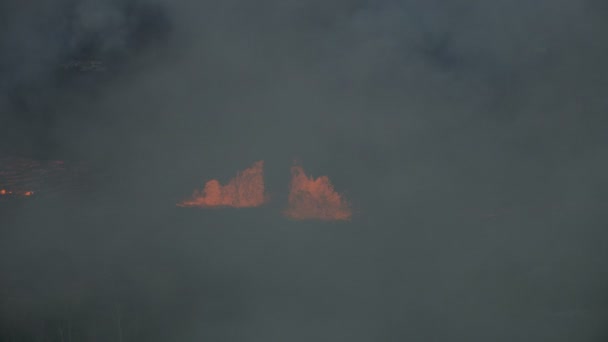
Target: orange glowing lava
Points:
(4, 192)
(25, 178)
(311, 198)
(245, 190)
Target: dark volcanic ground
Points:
(106, 269)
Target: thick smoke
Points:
(57, 54)
(469, 137)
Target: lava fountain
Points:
(311, 198)
(244, 191)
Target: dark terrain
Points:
(105, 271)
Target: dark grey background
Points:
(469, 135)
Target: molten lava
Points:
(311, 198)
(25, 177)
(245, 190)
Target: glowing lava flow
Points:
(311, 198)
(245, 190)
(25, 177)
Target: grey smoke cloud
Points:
(431, 116)
(38, 41)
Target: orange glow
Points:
(311, 198)
(245, 190)
(4, 192)
(26, 177)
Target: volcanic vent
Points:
(246, 190)
(311, 198)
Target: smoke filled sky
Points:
(469, 136)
